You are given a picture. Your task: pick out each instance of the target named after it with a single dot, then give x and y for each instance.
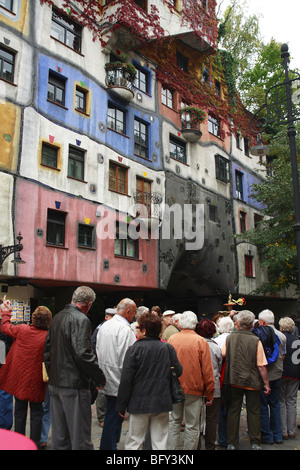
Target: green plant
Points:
(124, 66)
(196, 114)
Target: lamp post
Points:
(282, 107)
(5, 251)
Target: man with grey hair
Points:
(197, 381)
(71, 365)
(271, 429)
(113, 340)
(245, 370)
(173, 328)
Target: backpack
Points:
(269, 341)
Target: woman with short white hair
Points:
(225, 327)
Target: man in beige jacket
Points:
(197, 381)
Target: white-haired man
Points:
(197, 381)
(113, 339)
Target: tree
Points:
(240, 35)
(255, 81)
(274, 236)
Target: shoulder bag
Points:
(177, 392)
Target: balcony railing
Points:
(120, 79)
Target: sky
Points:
(278, 19)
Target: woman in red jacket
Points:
(21, 375)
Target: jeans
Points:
(46, 422)
(6, 410)
(270, 413)
(112, 425)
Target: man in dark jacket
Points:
(71, 365)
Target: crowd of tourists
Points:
(58, 368)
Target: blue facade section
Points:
(94, 125)
(248, 180)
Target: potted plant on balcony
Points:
(120, 76)
(191, 118)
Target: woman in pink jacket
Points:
(21, 375)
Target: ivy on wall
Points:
(158, 46)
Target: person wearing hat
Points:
(167, 319)
(109, 313)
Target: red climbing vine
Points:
(160, 47)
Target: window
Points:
(249, 266)
(86, 236)
(213, 212)
(49, 155)
(214, 126)
(8, 4)
(238, 140)
(56, 222)
(124, 245)
(81, 100)
(76, 163)
(182, 62)
(66, 31)
(7, 64)
(205, 75)
(177, 149)
(246, 146)
(257, 220)
(185, 117)
(174, 3)
(239, 185)
(143, 196)
(222, 168)
(142, 4)
(217, 88)
(141, 79)
(167, 97)
(118, 177)
(141, 139)
(56, 88)
(243, 221)
(116, 119)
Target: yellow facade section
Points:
(9, 136)
(17, 18)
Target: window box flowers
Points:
(191, 118)
(120, 76)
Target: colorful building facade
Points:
(95, 149)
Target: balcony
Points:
(129, 24)
(119, 80)
(191, 118)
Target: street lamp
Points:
(282, 107)
(5, 251)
